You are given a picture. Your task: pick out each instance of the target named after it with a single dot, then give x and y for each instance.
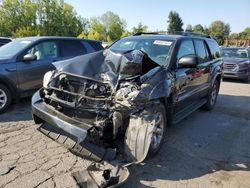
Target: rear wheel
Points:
(212, 96)
(5, 98)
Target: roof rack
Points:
(176, 33)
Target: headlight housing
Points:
(245, 63)
(46, 79)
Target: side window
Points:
(96, 45)
(44, 50)
(71, 48)
(186, 48)
(201, 51)
(214, 49)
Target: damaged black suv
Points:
(130, 92)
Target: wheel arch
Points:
(9, 84)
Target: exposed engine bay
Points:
(108, 94)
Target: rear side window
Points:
(71, 48)
(214, 49)
(186, 49)
(201, 51)
(96, 45)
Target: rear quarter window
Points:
(214, 49)
(96, 45)
(71, 48)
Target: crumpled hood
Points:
(108, 66)
(230, 60)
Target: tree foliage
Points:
(39, 17)
(219, 30)
(140, 28)
(189, 28)
(108, 27)
(198, 29)
(174, 22)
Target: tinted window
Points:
(186, 48)
(96, 45)
(214, 49)
(70, 48)
(44, 50)
(201, 51)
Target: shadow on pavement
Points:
(20, 111)
(204, 143)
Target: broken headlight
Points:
(46, 79)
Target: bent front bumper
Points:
(57, 119)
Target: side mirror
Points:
(29, 57)
(188, 62)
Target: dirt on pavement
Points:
(207, 149)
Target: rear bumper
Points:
(57, 119)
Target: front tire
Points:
(5, 98)
(212, 96)
(145, 133)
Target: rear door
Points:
(71, 48)
(30, 74)
(204, 66)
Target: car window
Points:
(13, 48)
(44, 50)
(201, 51)
(71, 48)
(186, 48)
(157, 49)
(96, 45)
(214, 49)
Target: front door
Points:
(30, 74)
(188, 79)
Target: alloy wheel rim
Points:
(158, 131)
(213, 95)
(3, 98)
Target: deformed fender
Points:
(159, 86)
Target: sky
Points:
(154, 14)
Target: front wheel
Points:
(5, 98)
(145, 133)
(212, 96)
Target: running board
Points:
(187, 111)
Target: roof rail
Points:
(196, 34)
(175, 33)
(150, 33)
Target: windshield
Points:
(11, 49)
(157, 50)
(234, 52)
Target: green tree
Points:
(113, 24)
(189, 28)
(198, 28)
(220, 31)
(140, 28)
(108, 27)
(174, 22)
(58, 18)
(16, 14)
(245, 35)
(39, 17)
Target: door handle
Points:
(11, 69)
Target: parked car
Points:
(236, 63)
(24, 62)
(130, 92)
(4, 41)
